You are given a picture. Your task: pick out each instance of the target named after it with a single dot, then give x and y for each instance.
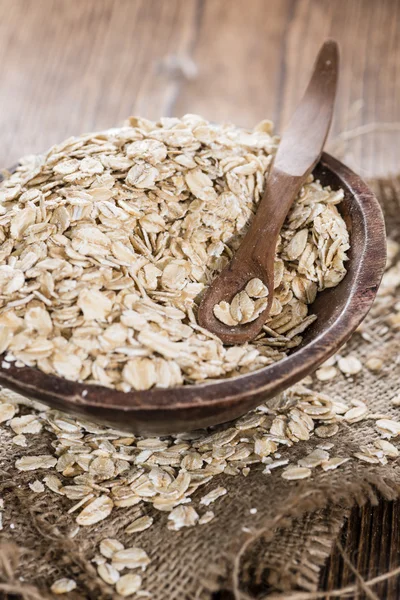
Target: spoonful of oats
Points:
(238, 301)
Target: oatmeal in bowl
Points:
(109, 240)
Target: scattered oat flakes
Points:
(349, 365)
(130, 558)
(207, 517)
(139, 524)
(293, 473)
(31, 463)
(326, 431)
(213, 495)
(314, 459)
(182, 516)
(326, 373)
(63, 586)
(20, 440)
(95, 511)
(109, 546)
(128, 585)
(374, 364)
(333, 463)
(396, 400)
(37, 486)
(389, 449)
(108, 573)
(275, 465)
(388, 427)
(108, 466)
(98, 559)
(357, 413)
(368, 458)
(326, 446)
(7, 411)
(53, 483)
(26, 424)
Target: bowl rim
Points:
(56, 390)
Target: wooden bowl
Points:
(339, 311)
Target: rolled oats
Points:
(108, 573)
(389, 449)
(95, 511)
(314, 459)
(326, 373)
(293, 473)
(334, 463)
(63, 586)
(37, 486)
(207, 517)
(139, 524)
(213, 495)
(128, 585)
(182, 516)
(130, 558)
(7, 411)
(350, 365)
(374, 364)
(388, 427)
(326, 431)
(357, 413)
(109, 546)
(112, 238)
(396, 400)
(31, 463)
(26, 424)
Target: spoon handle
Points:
(298, 153)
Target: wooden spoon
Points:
(299, 151)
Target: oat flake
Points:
(63, 586)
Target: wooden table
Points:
(70, 66)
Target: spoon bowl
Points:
(339, 310)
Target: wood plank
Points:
(370, 539)
(238, 53)
(254, 58)
(393, 510)
(369, 36)
(85, 64)
(82, 65)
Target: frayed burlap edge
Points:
(319, 534)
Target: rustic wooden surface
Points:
(75, 65)
(371, 540)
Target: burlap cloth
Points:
(287, 541)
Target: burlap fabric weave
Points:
(285, 542)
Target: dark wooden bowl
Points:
(339, 311)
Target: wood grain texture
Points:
(76, 65)
(79, 65)
(371, 540)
